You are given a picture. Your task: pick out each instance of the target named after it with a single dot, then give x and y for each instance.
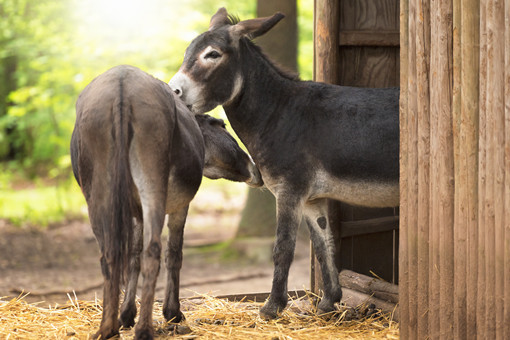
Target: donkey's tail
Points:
(118, 235)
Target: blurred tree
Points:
(281, 43)
(51, 49)
(34, 43)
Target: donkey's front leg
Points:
(171, 306)
(288, 218)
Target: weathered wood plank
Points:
(404, 163)
(374, 225)
(482, 177)
(369, 15)
(412, 171)
(506, 266)
(441, 101)
(496, 107)
(368, 66)
(466, 94)
(369, 38)
(423, 174)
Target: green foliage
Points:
(305, 47)
(51, 49)
(37, 203)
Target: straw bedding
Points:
(206, 318)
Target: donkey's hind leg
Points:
(128, 308)
(171, 306)
(316, 215)
(111, 287)
(151, 183)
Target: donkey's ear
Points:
(219, 19)
(256, 27)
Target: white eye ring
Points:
(210, 54)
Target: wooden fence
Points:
(455, 169)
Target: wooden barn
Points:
(452, 239)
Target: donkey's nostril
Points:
(178, 92)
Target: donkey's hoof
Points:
(127, 318)
(105, 334)
(269, 311)
(174, 317)
(144, 334)
(325, 307)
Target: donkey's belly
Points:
(367, 193)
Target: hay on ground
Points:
(206, 318)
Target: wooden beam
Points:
(369, 38)
(363, 227)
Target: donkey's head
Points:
(210, 74)
(223, 156)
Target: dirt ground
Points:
(64, 260)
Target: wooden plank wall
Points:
(455, 169)
(356, 44)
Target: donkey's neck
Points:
(263, 100)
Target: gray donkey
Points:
(138, 153)
(311, 141)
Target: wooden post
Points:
(325, 70)
(326, 41)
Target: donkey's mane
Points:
(281, 70)
(233, 19)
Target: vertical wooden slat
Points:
(441, 268)
(423, 174)
(495, 105)
(490, 283)
(482, 176)
(468, 186)
(465, 116)
(404, 162)
(469, 198)
(434, 266)
(506, 265)
(460, 233)
(412, 173)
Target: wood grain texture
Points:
(369, 38)
(326, 41)
(404, 165)
(368, 65)
(369, 15)
(506, 254)
(468, 168)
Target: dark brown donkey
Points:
(311, 141)
(138, 153)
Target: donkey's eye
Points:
(212, 55)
